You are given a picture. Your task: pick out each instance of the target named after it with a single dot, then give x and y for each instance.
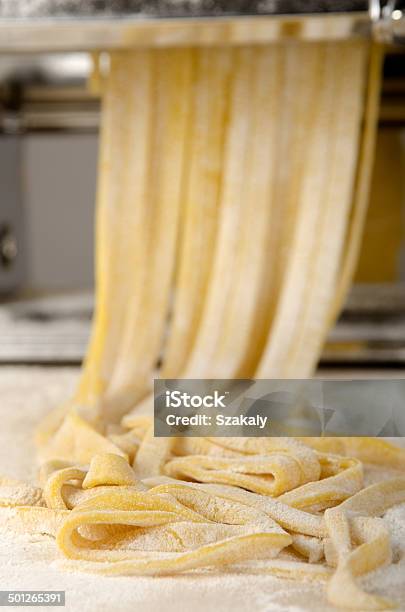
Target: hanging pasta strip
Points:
(363, 181)
(200, 202)
(124, 135)
(336, 196)
(152, 455)
(202, 179)
(297, 91)
(77, 441)
(230, 205)
(122, 191)
(143, 329)
(241, 252)
(308, 236)
(128, 442)
(294, 290)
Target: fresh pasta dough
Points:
(315, 521)
(224, 173)
(227, 180)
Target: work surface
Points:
(27, 563)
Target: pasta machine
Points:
(48, 146)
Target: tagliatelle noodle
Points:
(346, 479)
(225, 186)
(307, 460)
(125, 133)
(368, 450)
(371, 553)
(200, 205)
(268, 475)
(77, 440)
(299, 324)
(144, 326)
(152, 455)
(296, 92)
(234, 283)
(362, 187)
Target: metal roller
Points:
(72, 25)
